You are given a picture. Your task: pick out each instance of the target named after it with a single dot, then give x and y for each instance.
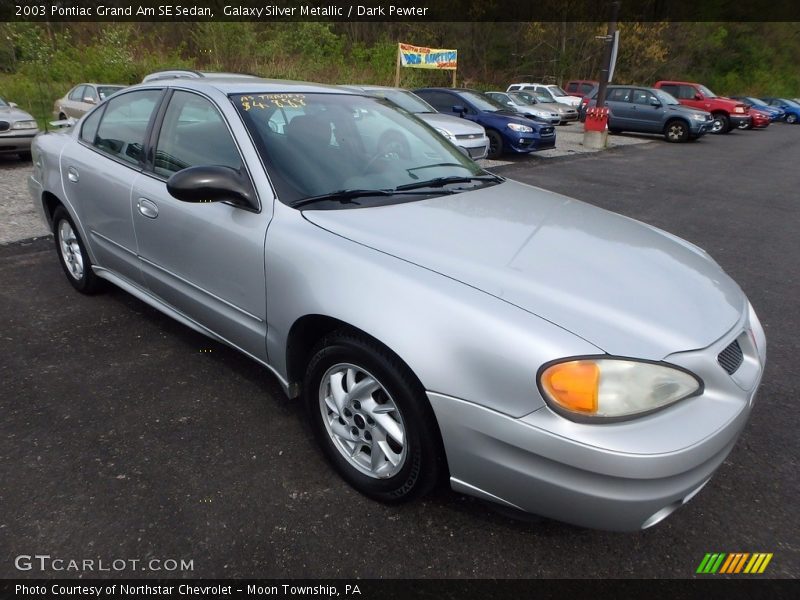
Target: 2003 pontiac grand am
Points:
(438, 320)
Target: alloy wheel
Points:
(363, 421)
(676, 132)
(70, 250)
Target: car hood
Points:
(8, 113)
(628, 288)
(686, 110)
(455, 125)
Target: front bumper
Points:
(12, 142)
(569, 117)
(476, 146)
(740, 121)
(623, 476)
(700, 128)
(524, 143)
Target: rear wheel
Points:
(721, 124)
(791, 119)
(72, 254)
(495, 144)
(371, 418)
(676, 131)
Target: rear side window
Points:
(89, 129)
(89, 92)
(77, 93)
(670, 89)
(619, 95)
(586, 88)
(194, 134)
(124, 124)
(572, 87)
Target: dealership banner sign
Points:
(418, 57)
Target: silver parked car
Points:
(82, 98)
(544, 100)
(461, 132)
(437, 320)
(530, 110)
(17, 130)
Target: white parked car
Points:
(555, 91)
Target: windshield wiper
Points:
(442, 181)
(347, 196)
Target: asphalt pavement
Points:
(125, 435)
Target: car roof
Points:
(672, 81)
(237, 84)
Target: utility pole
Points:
(609, 39)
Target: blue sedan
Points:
(507, 130)
(790, 107)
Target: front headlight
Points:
(699, 117)
(447, 134)
(520, 128)
(738, 109)
(24, 125)
(614, 388)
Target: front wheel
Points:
(791, 119)
(721, 124)
(72, 254)
(372, 419)
(495, 144)
(676, 131)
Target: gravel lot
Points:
(123, 436)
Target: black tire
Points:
(87, 282)
(724, 124)
(495, 144)
(62, 117)
(791, 119)
(676, 131)
(423, 461)
(25, 156)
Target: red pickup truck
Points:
(728, 114)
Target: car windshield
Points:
(755, 101)
(791, 103)
(543, 95)
(107, 90)
(665, 97)
(706, 92)
(481, 101)
(322, 144)
(524, 97)
(556, 91)
(404, 99)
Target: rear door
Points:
(618, 102)
(98, 172)
(72, 105)
(204, 259)
(646, 116)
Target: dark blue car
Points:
(506, 130)
(790, 107)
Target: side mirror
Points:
(212, 184)
(655, 102)
(12, 104)
(698, 96)
(89, 100)
(459, 108)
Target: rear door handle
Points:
(148, 208)
(72, 175)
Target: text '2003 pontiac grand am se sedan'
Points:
(438, 321)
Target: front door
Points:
(204, 259)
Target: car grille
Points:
(468, 136)
(731, 358)
(476, 152)
(4, 125)
(545, 131)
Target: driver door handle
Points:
(147, 208)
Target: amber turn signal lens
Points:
(573, 385)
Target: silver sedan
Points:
(440, 323)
